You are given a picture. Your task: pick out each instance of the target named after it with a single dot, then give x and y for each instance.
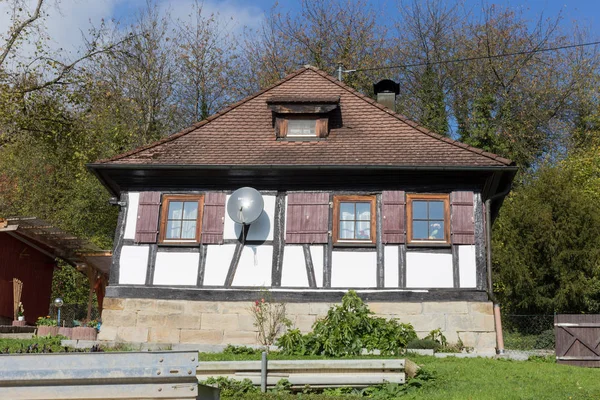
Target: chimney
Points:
(386, 91)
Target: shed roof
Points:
(362, 133)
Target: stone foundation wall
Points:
(220, 323)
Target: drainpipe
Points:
(490, 291)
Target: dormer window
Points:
(302, 117)
(301, 128)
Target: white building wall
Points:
(133, 264)
(390, 261)
(354, 269)
(254, 268)
(316, 253)
(261, 229)
(467, 266)
(428, 270)
(218, 259)
(293, 271)
(132, 211)
(176, 268)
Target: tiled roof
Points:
(363, 132)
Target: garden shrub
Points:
(545, 340)
(423, 344)
(245, 350)
(346, 330)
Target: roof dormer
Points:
(302, 118)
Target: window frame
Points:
(337, 199)
(410, 197)
(164, 214)
(282, 126)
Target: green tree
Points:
(547, 242)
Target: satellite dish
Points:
(245, 205)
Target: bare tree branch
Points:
(17, 30)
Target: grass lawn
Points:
(477, 378)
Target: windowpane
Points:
(346, 211)
(190, 210)
(436, 230)
(420, 230)
(175, 209)
(302, 127)
(173, 230)
(188, 230)
(363, 230)
(346, 229)
(436, 210)
(419, 209)
(363, 211)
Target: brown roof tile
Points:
(368, 134)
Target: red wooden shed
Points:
(29, 251)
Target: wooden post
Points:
(91, 273)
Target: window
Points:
(302, 127)
(181, 218)
(354, 219)
(428, 218)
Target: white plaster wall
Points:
(354, 269)
(254, 268)
(176, 268)
(390, 260)
(261, 229)
(467, 266)
(133, 264)
(428, 270)
(218, 259)
(293, 272)
(132, 211)
(316, 253)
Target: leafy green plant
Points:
(283, 386)
(231, 349)
(346, 330)
(545, 340)
(46, 321)
(231, 387)
(423, 344)
(437, 336)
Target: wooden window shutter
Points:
(307, 218)
(281, 127)
(146, 230)
(213, 219)
(322, 127)
(394, 216)
(462, 216)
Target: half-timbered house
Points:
(355, 197)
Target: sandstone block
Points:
(319, 309)
(140, 304)
(235, 307)
(305, 322)
(149, 319)
(240, 337)
(119, 318)
(200, 307)
(132, 334)
(445, 307)
(211, 336)
(297, 309)
(396, 310)
(164, 334)
(226, 322)
(170, 306)
(486, 342)
(107, 333)
(182, 321)
(426, 323)
(482, 307)
(246, 322)
(111, 303)
(472, 323)
(469, 339)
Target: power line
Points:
(518, 53)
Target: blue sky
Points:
(68, 19)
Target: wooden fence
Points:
(578, 339)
